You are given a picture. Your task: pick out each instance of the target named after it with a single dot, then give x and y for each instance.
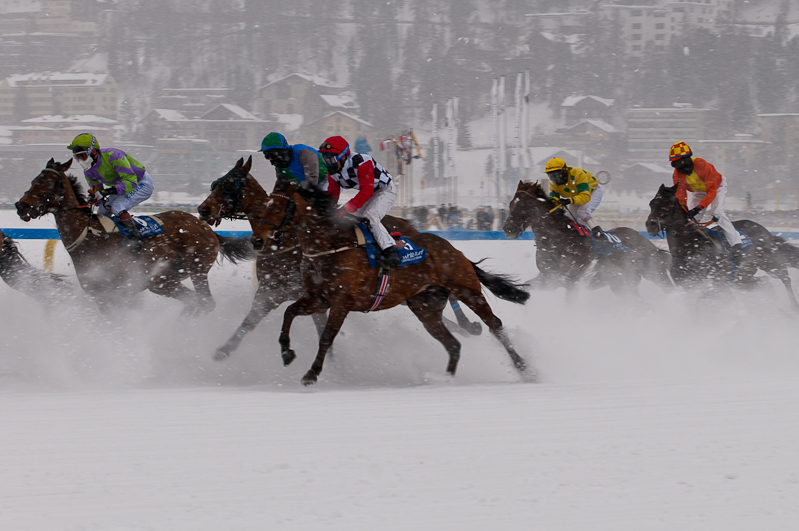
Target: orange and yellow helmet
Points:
(678, 151)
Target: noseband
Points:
(232, 194)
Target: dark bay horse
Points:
(696, 259)
(112, 273)
(238, 195)
(337, 276)
(563, 256)
(21, 276)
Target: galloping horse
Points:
(21, 276)
(111, 272)
(696, 258)
(237, 194)
(337, 276)
(563, 255)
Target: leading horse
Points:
(338, 276)
(238, 195)
(563, 256)
(698, 259)
(111, 272)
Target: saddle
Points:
(610, 245)
(716, 236)
(147, 225)
(407, 251)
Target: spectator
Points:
(443, 214)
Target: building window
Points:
(636, 25)
(660, 37)
(636, 13)
(660, 25)
(636, 36)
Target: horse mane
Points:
(77, 189)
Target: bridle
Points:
(232, 195)
(286, 224)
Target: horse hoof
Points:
(309, 378)
(288, 356)
(221, 355)
(475, 329)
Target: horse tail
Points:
(235, 248)
(787, 252)
(502, 286)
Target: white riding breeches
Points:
(583, 212)
(716, 209)
(114, 204)
(375, 209)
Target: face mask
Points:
(85, 163)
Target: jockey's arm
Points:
(310, 165)
(333, 188)
(582, 180)
(129, 181)
(712, 179)
(366, 187)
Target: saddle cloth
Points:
(717, 236)
(407, 251)
(147, 225)
(613, 245)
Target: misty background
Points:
(188, 87)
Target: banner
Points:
(525, 121)
(503, 127)
(435, 143)
(495, 120)
(517, 123)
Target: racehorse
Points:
(110, 271)
(237, 195)
(563, 255)
(338, 276)
(696, 258)
(21, 276)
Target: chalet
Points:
(577, 108)
(298, 94)
(339, 123)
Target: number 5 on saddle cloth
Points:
(408, 253)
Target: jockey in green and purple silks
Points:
(113, 175)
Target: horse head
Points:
(49, 191)
(274, 217)
(230, 194)
(662, 209)
(528, 200)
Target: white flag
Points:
(435, 143)
(503, 125)
(495, 119)
(517, 123)
(449, 168)
(525, 120)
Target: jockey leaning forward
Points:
(703, 190)
(115, 178)
(376, 193)
(577, 190)
(296, 163)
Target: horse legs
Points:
(306, 305)
(171, 287)
(479, 305)
(267, 298)
(473, 328)
(334, 321)
(203, 291)
(784, 276)
(427, 307)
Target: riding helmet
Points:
(678, 151)
(84, 142)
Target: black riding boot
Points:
(134, 240)
(389, 257)
(737, 252)
(600, 239)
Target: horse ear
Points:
(519, 186)
(66, 165)
(239, 163)
(50, 162)
(673, 189)
(247, 165)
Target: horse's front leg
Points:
(306, 305)
(267, 298)
(336, 318)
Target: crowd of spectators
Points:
(452, 217)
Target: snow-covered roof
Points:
(345, 101)
(540, 155)
(170, 115)
(597, 123)
(311, 78)
(95, 64)
(73, 119)
(571, 101)
(234, 110)
(290, 122)
(57, 79)
(346, 114)
(654, 168)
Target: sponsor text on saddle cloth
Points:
(147, 225)
(408, 253)
(615, 243)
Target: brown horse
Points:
(21, 276)
(563, 256)
(110, 271)
(278, 269)
(337, 276)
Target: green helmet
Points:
(84, 142)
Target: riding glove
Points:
(694, 211)
(108, 191)
(565, 201)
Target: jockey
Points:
(298, 163)
(702, 188)
(116, 178)
(376, 193)
(577, 190)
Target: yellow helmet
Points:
(555, 165)
(678, 151)
(84, 142)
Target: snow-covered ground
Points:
(658, 414)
